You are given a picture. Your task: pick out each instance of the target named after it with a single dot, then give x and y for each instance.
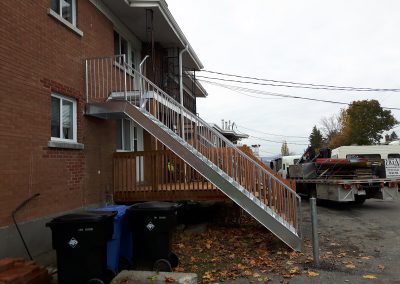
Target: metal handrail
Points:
(169, 112)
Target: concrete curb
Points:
(144, 277)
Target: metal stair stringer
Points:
(205, 167)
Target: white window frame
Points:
(58, 16)
(73, 3)
(138, 138)
(74, 119)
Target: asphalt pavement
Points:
(361, 243)
(358, 244)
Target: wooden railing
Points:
(156, 171)
(161, 175)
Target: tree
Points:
(365, 121)
(284, 149)
(332, 126)
(316, 139)
(393, 136)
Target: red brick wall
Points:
(39, 55)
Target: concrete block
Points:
(147, 277)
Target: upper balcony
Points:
(111, 78)
(149, 29)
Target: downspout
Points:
(181, 89)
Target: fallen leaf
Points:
(350, 265)
(207, 276)
(312, 274)
(256, 275)
(366, 257)
(169, 279)
(241, 266)
(381, 267)
(153, 278)
(370, 276)
(295, 270)
(289, 262)
(247, 272)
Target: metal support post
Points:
(314, 225)
(125, 81)
(181, 89)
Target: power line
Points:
(280, 142)
(264, 93)
(291, 84)
(272, 141)
(270, 133)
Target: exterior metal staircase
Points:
(266, 198)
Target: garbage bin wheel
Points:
(173, 259)
(95, 281)
(162, 265)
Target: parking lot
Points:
(359, 244)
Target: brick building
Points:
(98, 104)
(49, 146)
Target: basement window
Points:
(63, 118)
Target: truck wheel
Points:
(359, 200)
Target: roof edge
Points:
(163, 7)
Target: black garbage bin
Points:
(152, 224)
(80, 241)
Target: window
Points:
(124, 135)
(122, 46)
(130, 136)
(66, 9)
(394, 156)
(63, 118)
(370, 157)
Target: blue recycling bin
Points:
(119, 247)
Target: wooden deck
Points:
(161, 175)
(158, 175)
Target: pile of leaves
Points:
(226, 253)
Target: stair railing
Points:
(112, 75)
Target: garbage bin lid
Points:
(154, 205)
(82, 217)
(118, 209)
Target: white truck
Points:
(350, 174)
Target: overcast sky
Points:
(345, 43)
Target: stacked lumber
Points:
(21, 271)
